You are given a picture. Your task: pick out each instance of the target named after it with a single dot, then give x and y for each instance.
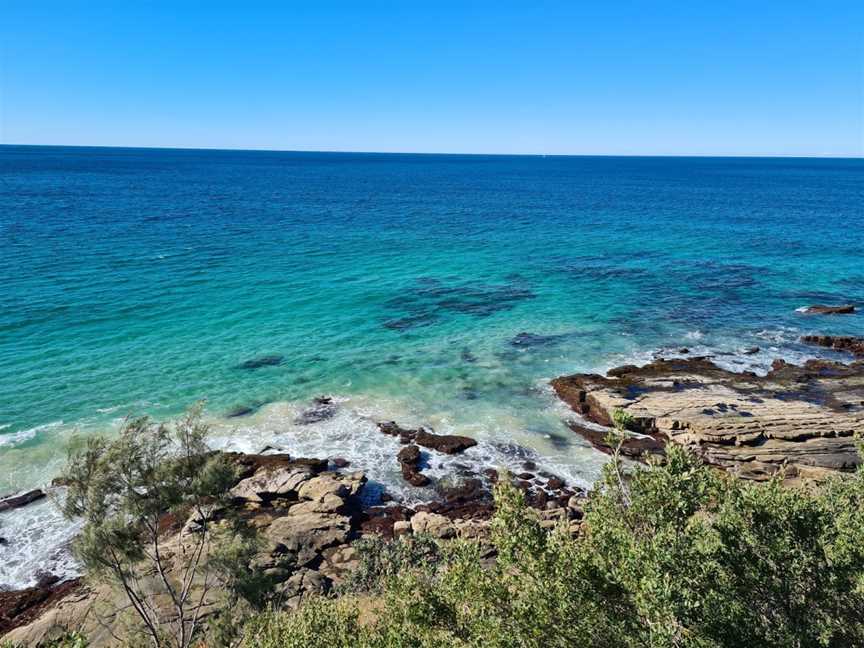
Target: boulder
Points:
(432, 524)
(307, 534)
(266, 485)
(338, 562)
(303, 583)
(322, 409)
(821, 309)
(341, 486)
(409, 462)
(391, 428)
(446, 443)
(401, 527)
(17, 501)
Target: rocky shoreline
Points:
(309, 512)
(801, 420)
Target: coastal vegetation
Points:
(675, 553)
(128, 490)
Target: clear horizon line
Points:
(825, 156)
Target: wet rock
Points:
(339, 462)
(539, 499)
(391, 428)
(380, 520)
(555, 483)
(446, 443)
(470, 489)
(632, 446)
(409, 455)
(515, 451)
(45, 579)
(262, 361)
(750, 350)
(239, 411)
(323, 409)
(17, 501)
(821, 309)
(409, 461)
(849, 344)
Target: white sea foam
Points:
(37, 539)
(352, 433)
(17, 438)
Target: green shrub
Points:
(381, 560)
(675, 555)
(124, 489)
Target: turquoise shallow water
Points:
(142, 280)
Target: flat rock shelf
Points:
(802, 419)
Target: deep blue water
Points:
(140, 280)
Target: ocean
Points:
(437, 290)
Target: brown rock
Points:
(17, 501)
(308, 534)
(446, 443)
(409, 455)
(632, 446)
(555, 483)
(272, 483)
(801, 419)
(391, 428)
(432, 524)
(302, 584)
(20, 607)
(853, 345)
(820, 309)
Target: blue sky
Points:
(681, 78)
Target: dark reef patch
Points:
(431, 299)
(262, 361)
(526, 340)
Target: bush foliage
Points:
(676, 555)
(126, 490)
